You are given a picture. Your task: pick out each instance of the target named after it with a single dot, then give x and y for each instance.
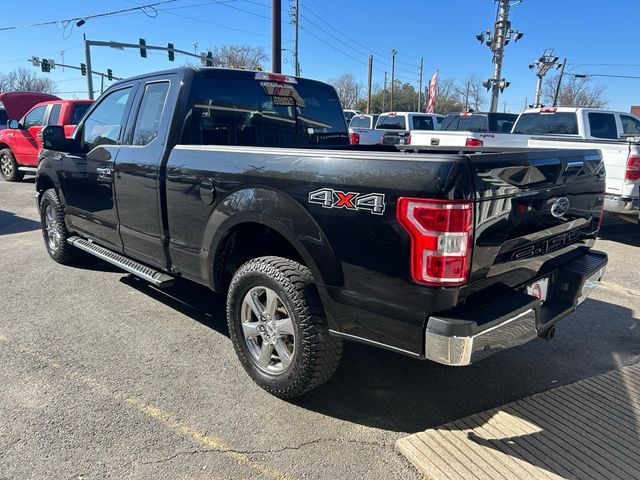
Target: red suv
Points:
(21, 141)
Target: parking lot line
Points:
(151, 411)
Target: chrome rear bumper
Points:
(522, 327)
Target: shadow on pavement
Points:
(385, 390)
(621, 232)
(11, 223)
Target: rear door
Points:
(532, 208)
(137, 171)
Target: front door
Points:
(26, 145)
(89, 175)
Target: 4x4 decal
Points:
(330, 198)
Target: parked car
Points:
(479, 122)
(21, 142)
(349, 114)
(362, 130)
(446, 257)
(16, 104)
(615, 134)
(398, 125)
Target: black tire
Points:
(9, 167)
(55, 237)
(316, 354)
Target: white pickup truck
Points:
(362, 130)
(615, 134)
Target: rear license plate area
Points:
(539, 289)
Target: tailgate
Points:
(531, 209)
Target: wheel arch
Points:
(289, 229)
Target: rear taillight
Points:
(549, 110)
(441, 239)
(407, 140)
(473, 142)
(382, 139)
(632, 172)
(354, 138)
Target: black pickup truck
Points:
(245, 182)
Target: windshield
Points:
(264, 113)
(537, 123)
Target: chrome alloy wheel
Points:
(268, 330)
(6, 165)
(51, 226)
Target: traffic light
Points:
(209, 59)
(109, 74)
(143, 48)
(83, 69)
(45, 65)
(172, 55)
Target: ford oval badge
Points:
(560, 207)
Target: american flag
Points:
(431, 105)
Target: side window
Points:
(79, 109)
(54, 115)
(35, 118)
(603, 125)
(150, 113)
(104, 124)
(630, 125)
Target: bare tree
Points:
(448, 96)
(23, 80)
(471, 93)
(575, 92)
(239, 56)
(347, 87)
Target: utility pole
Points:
(496, 41)
(384, 93)
(419, 109)
(87, 61)
(369, 83)
(296, 20)
(393, 73)
(466, 97)
(555, 97)
(546, 61)
(276, 28)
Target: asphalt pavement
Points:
(103, 376)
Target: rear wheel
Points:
(278, 328)
(54, 230)
(9, 166)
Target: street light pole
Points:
(276, 46)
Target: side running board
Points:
(159, 279)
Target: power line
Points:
(86, 17)
(350, 26)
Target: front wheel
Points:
(278, 328)
(54, 230)
(9, 166)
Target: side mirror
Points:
(13, 124)
(53, 138)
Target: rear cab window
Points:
(422, 122)
(392, 122)
(249, 111)
(543, 123)
(360, 122)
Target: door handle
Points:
(105, 172)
